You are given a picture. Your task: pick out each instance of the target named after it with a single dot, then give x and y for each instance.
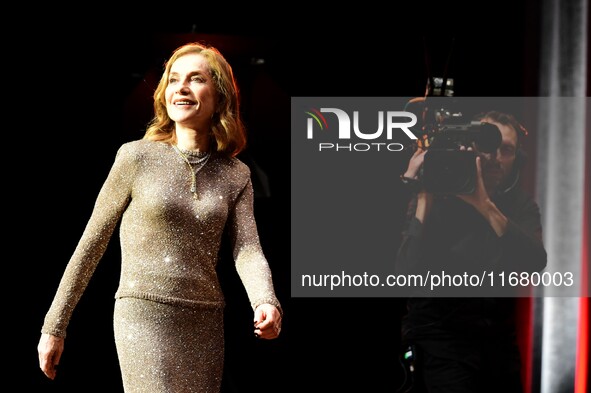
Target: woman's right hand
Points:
(50, 349)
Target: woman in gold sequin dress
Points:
(175, 192)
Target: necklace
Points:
(195, 161)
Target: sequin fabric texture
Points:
(168, 316)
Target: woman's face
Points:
(190, 93)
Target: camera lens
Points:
(489, 138)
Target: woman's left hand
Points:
(267, 321)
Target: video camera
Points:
(443, 130)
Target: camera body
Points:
(452, 143)
(448, 167)
(449, 172)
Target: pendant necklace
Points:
(195, 161)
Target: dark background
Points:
(80, 89)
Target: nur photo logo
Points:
(377, 133)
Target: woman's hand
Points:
(50, 349)
(267, 321)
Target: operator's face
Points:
(497, 168)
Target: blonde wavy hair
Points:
(228, 130)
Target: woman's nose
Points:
(183, 88)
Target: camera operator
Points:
(468, 344)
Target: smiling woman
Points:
(175, 193)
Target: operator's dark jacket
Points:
(455, 239)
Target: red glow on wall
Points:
(582, 366)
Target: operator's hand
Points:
(424, 199)
(415, 163)
(479, 198)
(485, 206)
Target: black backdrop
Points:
(82, 88)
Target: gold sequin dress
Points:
(168, 316)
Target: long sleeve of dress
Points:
(110, 204)
(169, 238)
(251, 263)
